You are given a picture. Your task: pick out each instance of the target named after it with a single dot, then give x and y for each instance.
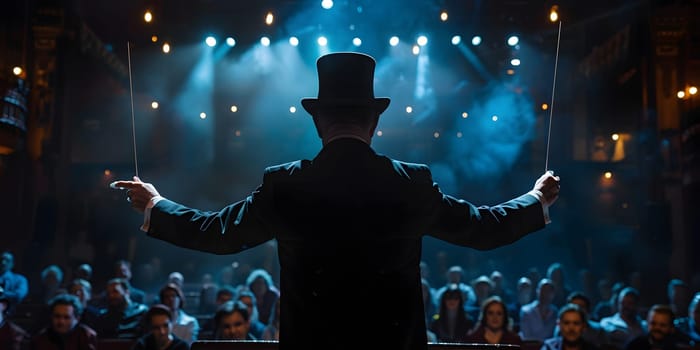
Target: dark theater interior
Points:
(200, 97)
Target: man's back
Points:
(349, 226)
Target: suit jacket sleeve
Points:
(482, 227)
(234, 228)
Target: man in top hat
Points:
(349, 223)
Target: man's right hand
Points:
(138, 193)
(548, 186)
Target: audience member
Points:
(158, 320)
(12, 337)
(64, 330)
(679, 297)
(272, 330)
(122, 269)
(14, 285)
(260, 283)
(538, 318)
(625, 324)
(500, 288)
(255, 326)
(183, 325)
(660, 333)
(83, 271)
(571, 321)
(232, 322)
(607, 308)
(455, 275)
(690, 326)
(120, 319)
(452, 323)
(83, 290)
(555, 272)
(523, 296)
(593, 332)
(51, 284)
(494, 325)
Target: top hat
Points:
(345, 79)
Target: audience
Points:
(235, 311)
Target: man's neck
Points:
(335, 132)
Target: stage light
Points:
(357, 41)
(154, 104)
(327, 4)
(409, 109)
(203, 115)
(513, 40)
(210, 41)
(615, 137)
(154, 38)
(294, 41)
(465, 115)
(545, 106)
(292, 109)
(510, 71)
(515, 62)
(394, 40)
(443, 16)
(608, 175)
(230, 41)
(692, 90)
(476, 40)
(166, 47)
(237, 133)
(459, 134)
(265, 41)
(422, 40)
(17, 71)
(379, 133)
(554, 13)
(234, 109)
(436, 134)
(456, 40)
(680, 94)
(269, 19)
(416, 49)
(494, 118)
(148, 16)
(322, 41)
(107, 172)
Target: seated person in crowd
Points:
(660, 333)
(184, 326)
(12, 337)
(625, 324)
(14, 285)
(248, 299)
(232, 322)
(64, 330)
(494, 325)
(158, 320)
(571, 321)
(83, 290)
(690, 326)
(593, 332)
(452, 323)
(120, 319)
(538, 318)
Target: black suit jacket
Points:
(349, 226)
